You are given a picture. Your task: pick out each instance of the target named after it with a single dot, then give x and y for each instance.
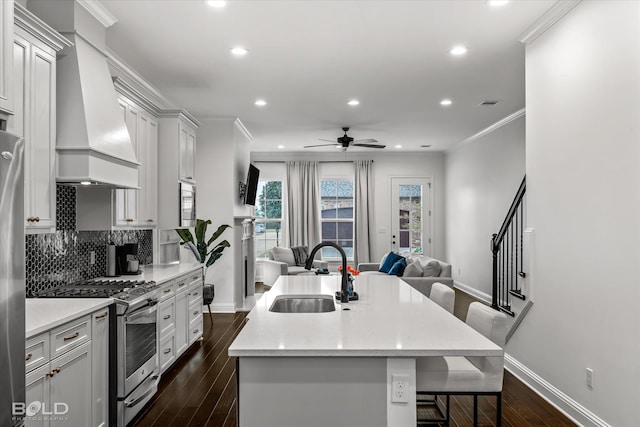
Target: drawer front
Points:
(195, 329)
(195, 310)
(70, 335)
(167, 290)
(166, 317)
(195, 293)
(167, 352)
(194, 277)
(182, 283)
(37, 352)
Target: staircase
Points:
(507, 248)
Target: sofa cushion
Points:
(300, 254)
(430, 268)
(389, 260)
(398, 267)
(283, 255)
(413, 270)
(295, 270)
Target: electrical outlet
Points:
(589, 378)
(92, 257)
(400, 388)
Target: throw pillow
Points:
(283, 255)
(300, 254)
(413, 270)
(389, 260)
(398, 267)
(431, 268)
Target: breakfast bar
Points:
(336, 367)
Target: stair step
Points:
(517, 294)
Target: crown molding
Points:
(547, 20)
(243, 129)
(139, 98)
(38, 28)
(497, 125)
(182, 114)
(101, 13)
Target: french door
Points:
(411, 215)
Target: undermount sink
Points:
(303, 304)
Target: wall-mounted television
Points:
(251, 185)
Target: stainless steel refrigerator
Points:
(12, 280)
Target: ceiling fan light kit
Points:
(346, 141)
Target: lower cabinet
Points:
(67, 385)
(180, 316)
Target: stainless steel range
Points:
(133, 362)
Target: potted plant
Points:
(200, 249)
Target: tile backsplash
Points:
(64, 256)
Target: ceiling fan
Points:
(346, 141)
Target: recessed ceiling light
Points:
(398, 146)
(217, 3)
(353, 102)
(446, 102)
(239, 51)
(85, 182)
(260, 102)
(280, 147)
(458, 50)
(497, 2)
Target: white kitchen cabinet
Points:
(179, 314)
(100, 368)
(126, 205)
(67, 374)
(6, 56)
(176, 162)
(34, 102)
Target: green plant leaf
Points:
(201, 230)
(217, 234)
(220, 246)
(185, 235)
(213, 258)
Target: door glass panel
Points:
(409, 208)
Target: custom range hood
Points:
(93, 145)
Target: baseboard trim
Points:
(565, 404)
(223, 308)
(472, 291)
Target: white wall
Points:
(482, 178)
(583, 190)
(216, 192)
(386, 165)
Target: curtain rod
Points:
(320, 161)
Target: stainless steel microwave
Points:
(187, 205)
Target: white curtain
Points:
(303, 203)
(363, 210)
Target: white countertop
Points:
(162, 272)
(42, 314)
(391, 319)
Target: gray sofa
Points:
(272, 269)
(420, 283)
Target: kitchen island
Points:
(335, 368)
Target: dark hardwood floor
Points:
(200, 390)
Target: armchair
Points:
(281, 262)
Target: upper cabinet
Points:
(34, 74)
(6, 56)
(176, 163)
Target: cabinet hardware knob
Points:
(196, 277)
(37, 219)
(195, 293)
(30, 219)
(188, 177)
(70, 337)
(195, 312)
(181, 284)
(29, 356)
(166, 291)
(100, 316)
(167, 351)
(195, 331)
(49, 374)
(55, 370)
(167, 317)
(149, 220)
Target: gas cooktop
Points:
(123, 290)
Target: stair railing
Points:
(506, 248)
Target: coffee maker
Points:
(124, 254)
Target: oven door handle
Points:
(134, 402)
(141, 313)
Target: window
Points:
(268, 217)
(336, 206)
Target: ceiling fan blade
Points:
(367, 140)
(328, 140)
(319, 145)
(369, 145)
